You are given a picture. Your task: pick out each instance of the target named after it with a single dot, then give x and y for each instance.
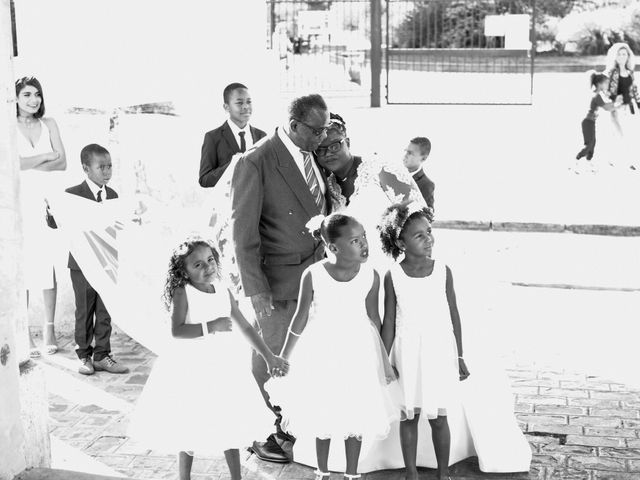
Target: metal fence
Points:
(320, 45)
(434, 51)
(452, 51)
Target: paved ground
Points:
(579, 426)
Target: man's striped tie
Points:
(312, 182)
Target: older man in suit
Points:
(276, 188)
(233, 136)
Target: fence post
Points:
(376, 51)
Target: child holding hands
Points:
(203, 396)
(600, 85)
(422, 324)
(338, 387)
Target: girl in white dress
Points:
(201, 395)
(422, 324)
(41, 155)
(340, 379)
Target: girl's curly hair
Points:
(393, 221)
(177, 274)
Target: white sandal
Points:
(320, 475)
(350, 477)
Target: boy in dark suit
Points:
(96, 163)
(233, 136)
(414, 157)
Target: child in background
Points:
(339, 385)
(202, 397)
(415, 155)
(93, 321)
(235, 135)
(600, 85)
(422, 323)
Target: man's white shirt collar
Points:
(95, 189)
(248, 139)
(298, 157)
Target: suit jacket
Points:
(84, 191)
(218, 147)
(425, 185)
(271, 205)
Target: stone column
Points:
(24, 439)
(12, 309)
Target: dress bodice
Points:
(341, 302)
(204, 306)
(42, 145)
(376, 184)
(421, 302)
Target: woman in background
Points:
(622, 87)
(41, 154)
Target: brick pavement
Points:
(579, 426)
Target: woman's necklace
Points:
(27, 123)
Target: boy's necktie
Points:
(243, 143)
(313, 184)
(99, 196)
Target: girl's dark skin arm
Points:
(455, 320)
(255, 340)
(371, 302)
(180, 329)
(299, 321)
(389, 324)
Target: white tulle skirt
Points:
(337, 386)
(481, 422)
(202, 398)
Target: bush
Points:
(452, 23)
(594, 31)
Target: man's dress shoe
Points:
(271, 450)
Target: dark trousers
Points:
(589, 135)
(274, 332)
(90, 305)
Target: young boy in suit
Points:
(96, 163)
(415, 155)
(233, 136)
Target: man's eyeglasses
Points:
(332, 148)
(316, 131)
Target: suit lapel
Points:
(230, 138)
(254, 134)
(86, 191)
(291, 174)
(323, 176)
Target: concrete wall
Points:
(24, 436)
(12, 311)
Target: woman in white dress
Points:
(41, 155)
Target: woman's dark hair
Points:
(329, 229)
(32, 81)
(177, 273)
(393, 222)
(337, 123)
(595, 78)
